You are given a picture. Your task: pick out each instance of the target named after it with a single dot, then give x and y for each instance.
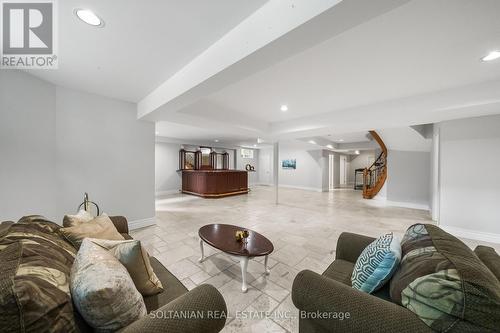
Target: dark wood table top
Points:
(222, 237)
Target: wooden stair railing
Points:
(374, 177)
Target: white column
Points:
(435, 174)
(325, 171)
(336, 171)
(276, 165)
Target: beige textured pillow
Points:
(102, 290)
(101, 227)
(80, 217)
(135, 258)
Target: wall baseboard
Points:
(472, 234)
(378, 197)
(407, 205)
(292, 186)
(383, 201)
(132, 225)
(302, 188)
(168, 192)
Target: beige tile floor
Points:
(304, 229)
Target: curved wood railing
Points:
(374, 177)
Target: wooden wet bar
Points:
(214, 183)
(206, 173)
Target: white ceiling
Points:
(398, 138)
(347, 137)
(404, 138)
(350, 67)
(398, 61)
(142, 44)
(420, 47)
(206, 135)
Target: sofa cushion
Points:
(135, 258)
(377, 263)
(340, 270)
(103, 291)
(490, 258)
(34, 279)
(444, 283)
(173, 288)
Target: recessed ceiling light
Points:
(216, 140)
(89, 17)
(255, 145)
(491, 56)
(329, 146)
(312, 142)
(356, 152)
(340, 140)
(284, 108)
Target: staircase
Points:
(374, 177)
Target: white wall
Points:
(361, 161)
(309, 173)
(265, 166)
(408, 178)
(104, 150)
(253, 177)
(27, 146)
(167, 179)
(469, 177)
(57, 143)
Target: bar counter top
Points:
(212, 171)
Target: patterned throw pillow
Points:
(101, 227)
(35, 268)
(135, 258)
(103, 291)
(444, 283)
(40, 222)
(376, 264)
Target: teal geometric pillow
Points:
(377, 263)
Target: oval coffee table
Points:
(222, 237)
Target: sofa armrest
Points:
(350, 246)
(312, 292)
(204, 302)
(120, 223)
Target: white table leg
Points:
(202, 252)
(267, 271)
(244, 265)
